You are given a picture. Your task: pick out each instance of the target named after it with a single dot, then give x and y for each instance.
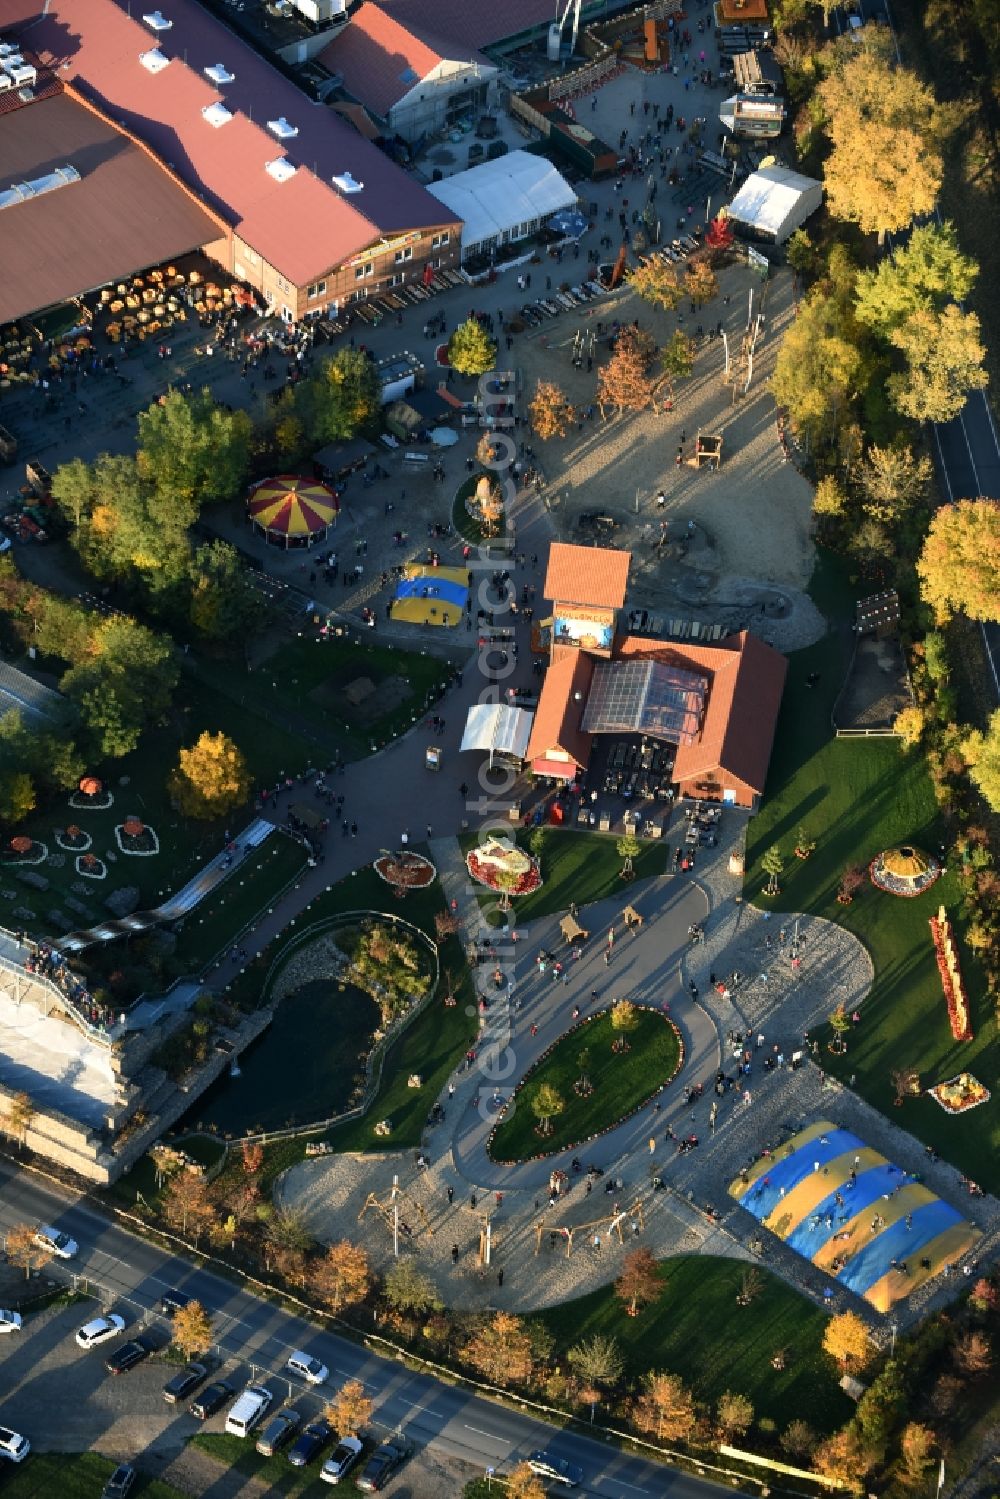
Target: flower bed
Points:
(73, 840)
(951, 977)
(99, 802)
(91, 867)
(141, 845)
(501, 866)
(36, 854)
(405, 870)
(960, 1093)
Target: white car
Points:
(13, 1445)
(10, 1321)
(99, 1330)
(56, 1242)
(346, 1454)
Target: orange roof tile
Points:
(747, 680)
(587, 575)
(558, 715)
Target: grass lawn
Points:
(248, 890)
(856, 797)
(622, 1081)
(304, 682)
(138, 783)
(697, 1330)
(576, 866)
(237, 1453)
(62, 1475)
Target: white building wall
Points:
(450, 89)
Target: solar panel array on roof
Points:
(646, 697)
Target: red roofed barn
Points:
(312, 214)
(716, 704)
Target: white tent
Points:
(503, 200)
(498, 730)
(774, 202)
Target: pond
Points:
(303, 1067)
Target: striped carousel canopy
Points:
(293, 506)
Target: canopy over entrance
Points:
(498, 730)
(292, 510)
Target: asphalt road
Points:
(428, 1412)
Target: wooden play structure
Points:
(633, 919)
(612, 1223)
(707, 451)
(391, 1209)
(572, 931)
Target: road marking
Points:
(634, 1487)
(492, 1435)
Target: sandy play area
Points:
(751, 544)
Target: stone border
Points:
(137, 853)
(90, 874)
(543, 1155)
(73, 848)
(28, 859)
(81, 803)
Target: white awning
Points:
(499, 198)
(775, 201)
(497, 730)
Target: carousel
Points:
(292, 511)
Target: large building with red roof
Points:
(303, 208)
(418, 67)
(717, 705)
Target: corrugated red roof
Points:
(381, 59)
(587, 575)
(76, 236)
(558, 715)
(472, 22)
(301, 226)
(747, 680)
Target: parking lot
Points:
(61, 1398)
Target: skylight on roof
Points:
(282, 129)
(280, 169)
(217, 114)
(346, 183)
(157, 21)
(219, 73)
(154, 61)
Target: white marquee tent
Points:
(497, 729)
(774, 202)
(503, 200)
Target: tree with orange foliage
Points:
(624, 383)
(501, 1350)
(639, 1282)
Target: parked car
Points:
(10, 1321)
(99, 1330)
(247, 1410)
(315, 1436)
(13, 1445)
(279, 1430)
(212, 1398)
(120, 1483)
(345, 1455)
(56, 1242)
(312, 1370)
(174, 1301)
(126, 1356)
(382, 1465)
(184, 1384)
(547, 1465)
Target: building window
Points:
(252, 256)
(287, 314)
(404, 255)
(363, 270)
(397, 279)
(440, 240)
(318, 290)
